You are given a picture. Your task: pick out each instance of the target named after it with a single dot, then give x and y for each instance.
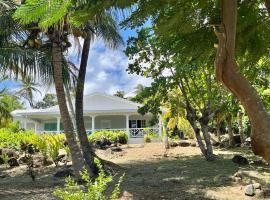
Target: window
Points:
(105, 124)
(137, 123)
(52, 126)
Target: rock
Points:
(173, 144)
(237, 140)
(23, 160)
(64, 173)
(13, 162)
(116, 149)
(238, 174)
(216, 144)
(2, 161)
(104, 143)
(250, 190)
(237, 179)
(193, 144)
(40, 160)
(184, 143)
(257, 186)
(60, 158)
(240, 160)
(9, 152)
(3, 175)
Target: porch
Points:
(134, 125)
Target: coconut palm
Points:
(58, 25)
(27, 89)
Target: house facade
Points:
(101, 112)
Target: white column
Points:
(127, 127)
(35, 127)
(93, 123)
(160, 126)
(58, 124)
(24, 124)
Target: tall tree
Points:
(227, 72)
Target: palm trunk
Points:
(241, 128)
(88, 152)
(227, 72)
(75, 151)
(71, 108)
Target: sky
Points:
(106, 71)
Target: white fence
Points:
(133, 132)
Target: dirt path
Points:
(151, 173)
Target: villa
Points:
(101, 112)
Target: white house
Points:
(101, 111)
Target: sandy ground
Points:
(151, 173)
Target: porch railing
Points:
(133, 132)
(140, 132)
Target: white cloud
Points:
(106, 72)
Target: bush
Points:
(93, 189)
(114, 137)
(149, 135)
(13, 140)
(185, 126)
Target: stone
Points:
(237, 140)
(23, 160)
(193, 144)
(116, 149)
(9, 152)
(240, 160)
(13, 162)
(184, 143)
(64, 173)
(257, 185)
(2, 161)
(250, 190)
(173, 144)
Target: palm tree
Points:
(27, 89)
(26, 52)
(58, 26)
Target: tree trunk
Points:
(230, 131)
(218, 130)
(88, 152)
(192, 120)
(241, 128)
(228, 73)
(166, 136)
(71, 108)
(76, 156)
(209, 155)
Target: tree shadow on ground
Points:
(185, 177)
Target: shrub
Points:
(185, 126)
(149, 135)
(13, 140)
(113, 137)
(94, 189)
(54, 145)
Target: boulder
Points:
(23, 160)
(240, 160)
(250, 190)
(64, 173)
(257, 186)
(184, 143)
(116, 149)
(173, 144)
(193, 144)
(2, 161)
(237, 139)
(9, 152)
(13, 162)
(104, 143)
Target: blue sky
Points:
(106, 71)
